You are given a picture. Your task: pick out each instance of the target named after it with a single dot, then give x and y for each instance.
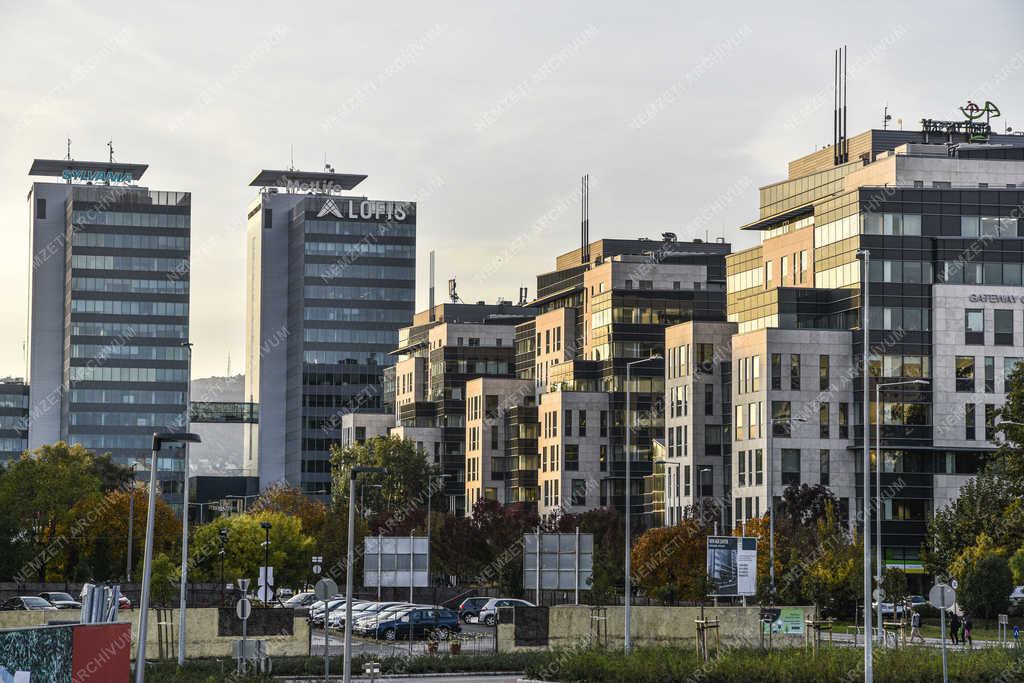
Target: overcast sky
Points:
(486, 116)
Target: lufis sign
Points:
(97, 176)
(350, 209)
(974, 128)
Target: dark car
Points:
(61, 600)
(470, 608)
(27, 602)
(425, 622)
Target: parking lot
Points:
(473, 639)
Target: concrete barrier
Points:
(201, 631)
(572, 626)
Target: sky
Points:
(485, 114)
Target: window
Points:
(990, 422)
(603, 457)
(707, 481)
(579, 492)
(990, 374)
(494, 438)
(824, 431)
(709, 399)
(572, 457)
(790, 466)
(965, 373)
(755, 363)
(629, 284)
(741, 432)
(758, 467)
(705, 358)
(777, 371)
(741, 469)
(974, 326)
(844, 420)
(1009, 365)
(581, 427)
(768, 274)
(40, 209)
(969, 417)
(1003, 327)
(803, 265)
(604, 423)
(825, 467)
(823, 372)
(753, 421)
(686, 480)
(567, 426)
(794, 371)
(781, 425)
(785, 268)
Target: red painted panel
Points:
(101, 653)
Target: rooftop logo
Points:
(974, 128)
(97, 176)
(331, 208)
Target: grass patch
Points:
(837, 665)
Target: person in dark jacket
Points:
(967, 640)
(954, 628)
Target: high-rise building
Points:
(13, 418)
(942, 222)
(108, 312)
(330, 279)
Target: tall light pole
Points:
(865, 255)
(878, 487)
(627, 641)
(700, 485)
(223, 533)
(159, 439)
(266, 526)
(770, 472)
(184, 509)
(430, 491)
(349, 561)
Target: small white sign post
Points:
(942, 597)
(243, 608)
(324, 589)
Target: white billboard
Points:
(732, 566)
(395, 562)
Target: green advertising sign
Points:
(790, 621)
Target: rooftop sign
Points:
(88, 171)
(973, 127)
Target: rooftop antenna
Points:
(229, 365)
(327, 167)
(585, 219)
(840, 145)
(291, 162)
(110, 147)
(452, 293)
(886, 117)
(522, 296)
(69, 149)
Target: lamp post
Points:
(159, 439)
(865, 255)
(771, 493)
(700, 485)
(627, 641)
(184, 509)
(266, 526)
(223, 533)
(349, 561)
(131, 523)
(430, 491)
(878, 486)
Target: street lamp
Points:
(159, 439)
(266, 526)
(349, 562)
(878, 484)
(184, 509)
(865, 256)
(771, 493)
(223, 533)
(700, 485)
(629, 551)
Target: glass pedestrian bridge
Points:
(224, 412)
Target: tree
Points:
(164, 581)
(38, 494)
(835, 570)
(609, 575)
(1016, 563)
(100, 531)
(290, 500)
(290, 549)
(894, 585)
(671, 562)
(985, 578)
(407, 474)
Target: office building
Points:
(13, 418)
(330, 280)
(108, 312)
(941, 218)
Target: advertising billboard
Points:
(732, 566)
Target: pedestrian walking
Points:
(954, 628)
(967, 631)
(915, 627)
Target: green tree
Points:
(1016, 563)
(403, 484)
(894, 585)
(832, 574)
(290, 549)
(985, 578)
(165, 581)
(670, 562)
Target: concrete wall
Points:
(201, 639)
(570, 626)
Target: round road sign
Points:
(942, 596)
(878, 595)
(243, 608)
(325, 588)
(316, 569)
(954, 584)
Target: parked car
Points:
(888, 609)
(299, 601)
(1017, 596)
(423, 622)
(367, 622)
(61, 600)
(489, 612)
(27, 602)
(470, 608)
(370, 610)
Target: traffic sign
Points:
(316, 569)
(243, 585)
(243, 608)
(942, 596)
(878, 595)
(325, 588)
(954, 584)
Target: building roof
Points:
(56, 167)
(306, 180)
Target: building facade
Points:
(13, 418)
(108, 313)
(330, 280)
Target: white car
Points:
(1017, 596)
(489, 612)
